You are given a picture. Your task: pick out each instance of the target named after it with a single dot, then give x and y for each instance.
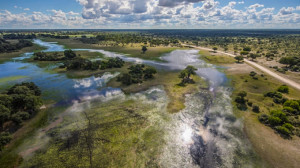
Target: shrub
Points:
(242, 107)
(256, 109)
(242, 94)
(292, 103)
(288, 126)
(289, 110)
(249, 103)
(5, 138)
(283, 130)
(263, 118)
(283, 89)
(274, 120)
(273, 94)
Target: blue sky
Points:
(149, 14)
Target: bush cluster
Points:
(137, 74)
(6, 46)
(19, 103)
(283, 121)
(293, 63)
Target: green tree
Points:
(255, 108)
(69, 54)
(239, 58)
(4, 114)
(126, 79)
(185, 75)
(149, 73)
(253, 56)
(144, 49)
(215, 48)
(190, 70)
(283, 89)
(136, 72)
(274, 120)
(5, 138)
(293, 104)
(290, 61)
(248, 49)
(283, 130)
(244, 52)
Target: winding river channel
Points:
(204, 134)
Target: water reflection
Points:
(199, 135)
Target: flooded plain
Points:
(205, 134)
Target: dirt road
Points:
(253, 64)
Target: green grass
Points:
(153, 53)
(170, 82)
(268, 144)
(11, 78)
(75, 74)
(216, 59)
(9, 157)
(123, 133)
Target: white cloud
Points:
(26, 9)
(256, 6)
(16, 6)
(157, 14)
(286, 11)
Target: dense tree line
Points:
(19, 103)
(137, 74)
(19, 36)
(79, 63)
(42, 56)
(74, 62)
(55, 36)
(6, 46)
(129, 37)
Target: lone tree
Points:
(185, 75)
(239, 58)
(144, 49)
(215, 49)
(69, 54)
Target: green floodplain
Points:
(107, 101)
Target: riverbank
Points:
(7, 56)
(270, 146)
(132, 50)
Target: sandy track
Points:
(253, 64)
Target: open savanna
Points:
(276, 150)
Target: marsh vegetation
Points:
(141, 99)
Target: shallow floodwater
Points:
(205, 134)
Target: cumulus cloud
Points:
(158, 14)
(26, 9)
(256, 6)
(172, 3)
(286, 11)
